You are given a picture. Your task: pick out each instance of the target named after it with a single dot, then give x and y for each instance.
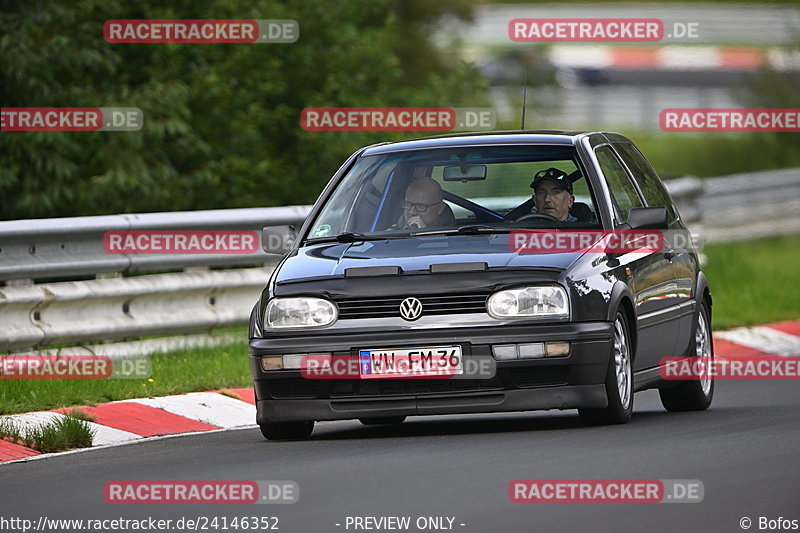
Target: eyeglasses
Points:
(421, 208)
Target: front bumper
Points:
(575, 380)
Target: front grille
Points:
(431, 305)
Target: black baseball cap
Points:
(559, 177)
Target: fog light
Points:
(557, 349)
(504, 352)
(299, 361)
(531, 351)
(293, 360)
(271, 362)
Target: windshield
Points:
(459, 189)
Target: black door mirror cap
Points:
(647, 218)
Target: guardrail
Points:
(123, 308)
(751, 205)
(36, 315)
(120, 306)
(73, 247)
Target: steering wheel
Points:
(540, 216)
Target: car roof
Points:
(556, 137)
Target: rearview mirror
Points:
(278, 239)
(465, 173)
(647, 218)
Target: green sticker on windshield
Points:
(321, 231)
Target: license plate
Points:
(444, 361)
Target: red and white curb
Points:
(672, 57)
(131, 420)
(782, 339)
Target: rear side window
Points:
(623, 193)
(651, 187)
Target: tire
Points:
(287, 430)
(382, 420)
(694, 395)
(619, 381)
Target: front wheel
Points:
(287, 430)
(695, 395)
(619, 381)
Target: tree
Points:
(221, 125)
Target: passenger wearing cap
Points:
(552, 194)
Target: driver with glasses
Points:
(424, 206)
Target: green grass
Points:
(63, 433)
(197, 369)
(754, 282)
(80, 414)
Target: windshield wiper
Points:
(347, 236)
(465, 230)
(476, 228)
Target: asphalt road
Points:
(745, 450)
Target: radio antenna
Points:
(524, 95)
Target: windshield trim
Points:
(471, 142)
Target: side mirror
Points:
(278, 239)
(647, 218)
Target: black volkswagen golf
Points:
(413, 289)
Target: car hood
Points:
(414, 254)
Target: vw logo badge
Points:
(411, 309)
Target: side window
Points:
(652, 188)
(623, 193)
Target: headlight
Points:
(529, 302)
(296, 313)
